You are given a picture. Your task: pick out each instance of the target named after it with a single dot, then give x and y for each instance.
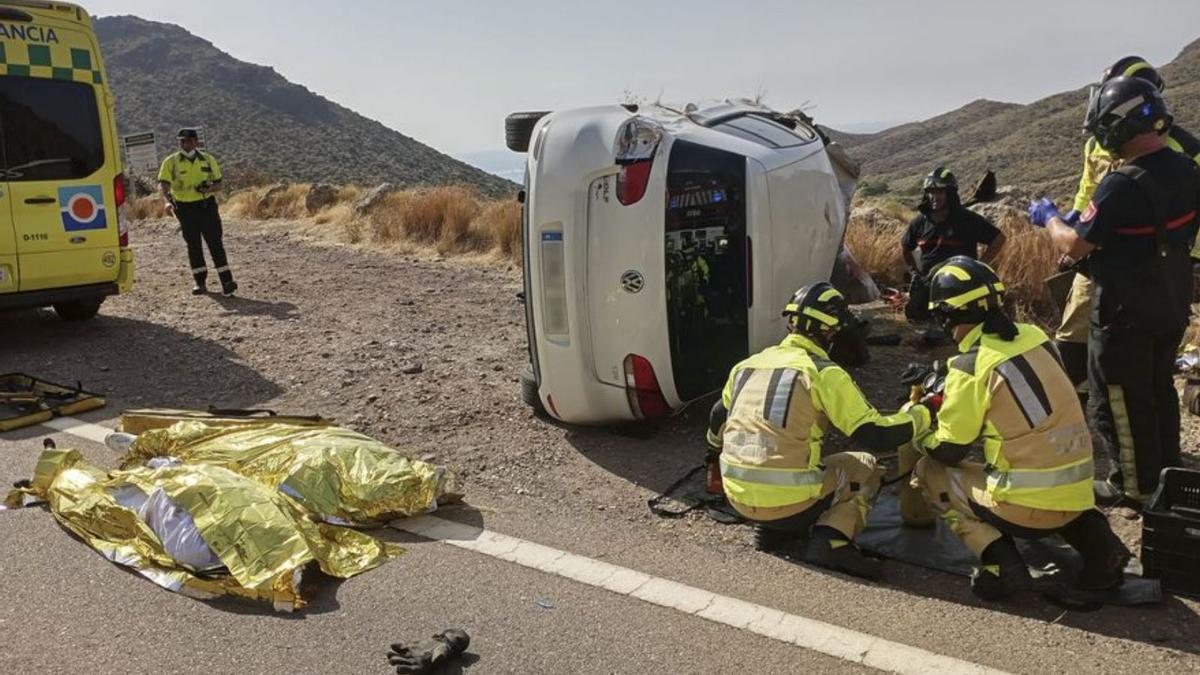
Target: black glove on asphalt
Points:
(425, 657)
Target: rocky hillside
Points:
(258, 123)
(1037, 146)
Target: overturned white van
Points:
(660, 246)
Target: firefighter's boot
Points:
(831, 549)
(1003, 572)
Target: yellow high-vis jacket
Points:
(1016, 398)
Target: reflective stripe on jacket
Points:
(1018, 399)
(780, 403)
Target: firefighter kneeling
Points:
(769, 426)
(1007, 387)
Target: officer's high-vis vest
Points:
(1017, 397)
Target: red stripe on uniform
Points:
(1149, 229)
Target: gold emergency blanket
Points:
(263, 538)
(336, 474)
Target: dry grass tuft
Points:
(269, 202)
(503, 221)
(450, 220)
(150, 206)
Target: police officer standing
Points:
(1007, 388)
(769, 426)
(1137, 232)
(943, 229)
(1072, 333)
(187, 180)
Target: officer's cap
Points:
(188, 132)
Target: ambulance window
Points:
(765, 132)
(50, 129)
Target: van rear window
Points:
(49, 129)
(766, 132)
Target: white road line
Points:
(77, 427)
(841, 643)
(818, 636)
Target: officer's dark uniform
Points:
(198, 215)
(961, 233)
(1143, 229)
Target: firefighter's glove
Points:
(1072, 217)
(924, 417)
(426, 657)
(1041, 211)
(915, 373)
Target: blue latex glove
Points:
(1041, 211)
(1072, 217)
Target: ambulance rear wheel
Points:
(518, 129)
(529, 392)
(78, 310)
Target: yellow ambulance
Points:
(62, 243)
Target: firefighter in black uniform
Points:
(943, 229)
(1136, 232)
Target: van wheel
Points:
(529, 392)
(78, 310)
(518, 129)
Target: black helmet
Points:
(1123, 108)
(940, 178)
(188, 133)
(818, 310)
(963, 290)
(1134, 66)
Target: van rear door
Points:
(55, 160)
(624, 277)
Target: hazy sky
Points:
(446, 72)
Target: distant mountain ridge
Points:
(256, 121)
(1038, 146)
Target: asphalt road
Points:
(65, 608)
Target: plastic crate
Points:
(1171, 532)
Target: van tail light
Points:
(119, 189)
(637, 141)
(632, 181)
(119, 197)
(641, 386)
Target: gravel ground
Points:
(425, 354)
(422, 352)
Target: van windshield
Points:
(49, 129)
(706, 255)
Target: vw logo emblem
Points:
(633, 281)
